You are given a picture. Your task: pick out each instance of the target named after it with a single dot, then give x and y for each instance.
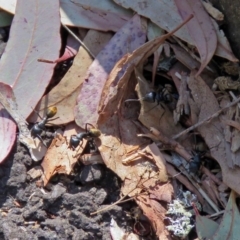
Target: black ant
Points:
(39, 127)
(195, 163)
(88, 134)
(164, 94)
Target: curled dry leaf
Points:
(182, 104)
(153, 115)
(215, 13)
(154, 31)
(212, 132)
(8, 101)
(118, 140)
(64, 95)
(223, 47)
(155, 212)
(59, 158)
(127, 39)
(200, 28)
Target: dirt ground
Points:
(63, 211)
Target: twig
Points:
(79, 40)
(205, 120)
(175, 146)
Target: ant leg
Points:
(78, 154)
(37, 113)
(40, 138)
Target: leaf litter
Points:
(145, 125)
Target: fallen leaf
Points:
(155, 212)
(59, 158)
(152, 114)
(154, 31)
(215, 13)
(223, 47)
(213, 132)
(229, 226)
(104, 15)
(131, 36)
(90, 15)
(70, 50)
(10, 108)
(200, 28)
(64, 95)
(8, 133)
(205, 227)
(40, 38)
(168, 19)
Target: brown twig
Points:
(175, 146)
(205, 120)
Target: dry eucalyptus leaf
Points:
(60, 158)
(127, 39)
(64, 95)
(212, 132)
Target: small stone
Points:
(91, 173)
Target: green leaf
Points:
(205, 227)
(229, 228)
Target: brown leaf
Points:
(155, 213)
(59, 158)
(128, 38)
(152, 115)
(200, 28)
(213, 132)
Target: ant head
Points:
(51, 112)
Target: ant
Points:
(88, 134)
(195, 163)
(39, 127)
(164, 94)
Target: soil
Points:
(63, 210)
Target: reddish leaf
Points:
(200, 29)
(7, 126)
(34, 34)
(70, 50)
(127, 39)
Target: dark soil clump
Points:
(64, 210)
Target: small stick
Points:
(79, 40)
(205, 120)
